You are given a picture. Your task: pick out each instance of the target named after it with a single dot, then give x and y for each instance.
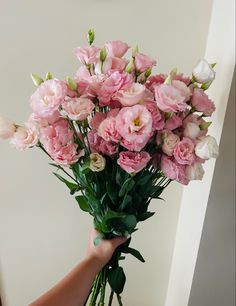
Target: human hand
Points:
(103, 252)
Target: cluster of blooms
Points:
(113, 108)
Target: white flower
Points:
(192, 130)
(207, 147)
(7, 128)
(194, 172)
(97, 162)
(203, 72)
(25, 137)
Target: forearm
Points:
(73, 289)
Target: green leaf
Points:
(83, 204)
(126, 187)
(112, 192)
(117, 279)
(158, 191)
(73, 187)
(135, 253)
(129, 221)
(127, 199)
(146, 215)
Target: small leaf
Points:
(73, 187)
(83, 204)
(117, 279)
(127, 186)
(135, 253)
(129, 221)
(146, 215)
(127, 199)
(112, 192)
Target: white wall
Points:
(42, 231)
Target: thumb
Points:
(118, 241)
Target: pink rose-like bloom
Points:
(87, 55)
(173, 97)
(143, 62)
(157, 118)
(57, 140)
(184, 152)
(182, 78)
(108, 130)
(135, 145)
(173, 170)
(173, 122)
(7, 128)
(96, 120)
(25, 137)
(116, 48)
(133, 162)
(170, 141)
(197, 120)
(77, 108)
(135, 124)
(94, 140)
(48, 97)
(202, 103)
(108, 148)
(131, 96)
(43, 122)
(114, 82)
(155, 80)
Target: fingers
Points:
(118, 241)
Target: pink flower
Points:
(184, 152)
(114, 82)
(191, 130)
(157, 118)
(155, 80)
(96, 120)
(7, 128)
(143, 62)
(48, 97)
(182, 78)
(43, 122)
(173, 170)
(202, 103)
(173, 122)
(130, 96)
(133, 162)
(25, 137)
(135, 124)
(173, 97)
(94, 140)
(135, 145)
(116, 48)
(108, 148)
(108, 130)
(77, 108)
(169, 143)
(57, 140)
(87, 55)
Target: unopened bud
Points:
(130, 66)
(103, 54)
(205, 125)
(71, 83)
(48, 76)
(91, 36)
(37, 80)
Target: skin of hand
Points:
(74, 288)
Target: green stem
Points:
(119, 299)
(103, 287)
(111, 298)
(95, 290)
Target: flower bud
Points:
(130, 66)
(91, 36)
(48, 76)
(205, 125)
(37, 80)
(97, 162)
(203, 72)
(103, 54)
(7, 128)
(71, 83)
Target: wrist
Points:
(95, 263)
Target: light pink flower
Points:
(7, 128)
(184, 152)
(154, 80)
(116, 48)
(77, 108)
(173, 170)
(191, 130)
(197, 120)
(94, 141)
(169, 143)
(202, 103)
(48, 97)
(108, 148)
(133, 162)
(143, 62)
(43, 122)
(173, 97)
(57, 140)
(182, 78)
(134, 145)
(25, 137)
(195, 172)
(131, 96)
(157, 118)
(108, 130)
(96, 120)
(114, 82)
(173, 122)
(87, 55)
(135, 124)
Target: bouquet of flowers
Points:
(117, 136)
